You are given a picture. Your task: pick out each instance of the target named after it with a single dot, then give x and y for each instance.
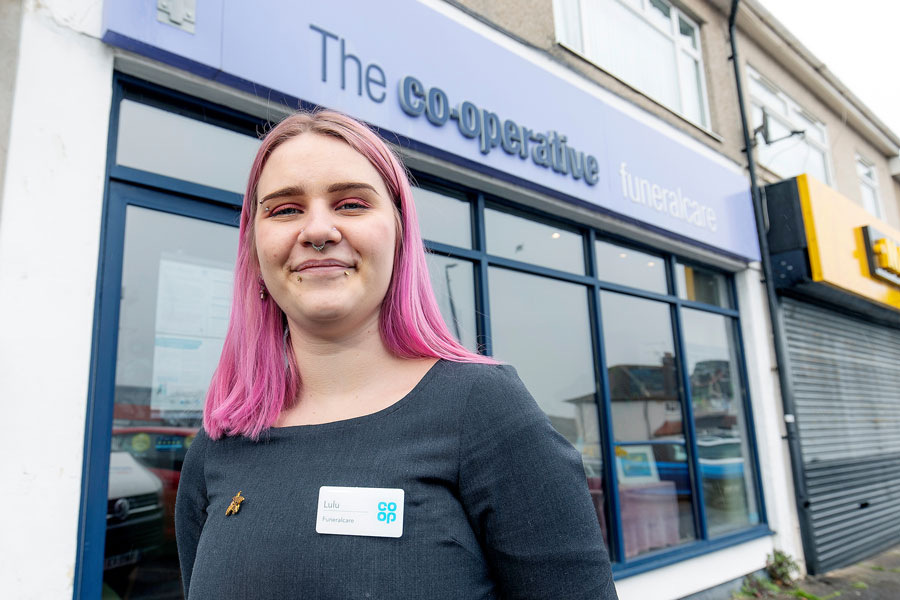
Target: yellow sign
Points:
(839, 255)
(887, 255)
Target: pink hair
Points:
(257, 376)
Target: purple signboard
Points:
(424, 75)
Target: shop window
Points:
(703, 285)
(726, 470)
(789, 141)
(650, 444)
(554, 357)
(868, 187)
(526, 240)
(443, 218)
(627, 266)
(170, 144)
(453, 281)
(176, 298)
(650, 44)
(601, 352)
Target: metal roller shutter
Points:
(846, 378)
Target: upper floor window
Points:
(650, 44)
(789, 140)
(868, 184)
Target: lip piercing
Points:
(299, 278)
(346, 273)
(318, 248)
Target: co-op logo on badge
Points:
(387, 511)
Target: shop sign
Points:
(883, 253)
(847, 248)
(420, 73)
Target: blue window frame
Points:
(128, 186)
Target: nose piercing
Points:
(318, 248)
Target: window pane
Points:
(655, 496)
(443, 218)
(176, 146)
(729, 491)
(643, 375)
(812, 128)
(661, 14)
(628, 46)
(793, 155)
(554, 357)
(688, 33)
(690, 84)
(702, 285)
(654, 484)
(176, 298)
(870, 199)
(453, 281)
(567, 14)
(626, 266)
(529, 241)
(766, 95)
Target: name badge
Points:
(374, 512)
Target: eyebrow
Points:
(296, 190)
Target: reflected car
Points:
(134, 512)
(721, 464)
(161, 450)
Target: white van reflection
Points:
(134, 512)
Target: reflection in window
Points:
(176, 298)
(443, 218)
(530, 241)
(720, 422)
(159, 141)
(643, 376)
(553, 356)
(453, 281)
(651, 462)
(627, 266)
(703, 285)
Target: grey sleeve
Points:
(524, 490)
(190, 506)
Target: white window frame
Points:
(641, 8)
(791, 115)
(868, 177)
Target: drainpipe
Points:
(781, 352)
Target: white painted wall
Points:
(697, 574)
(49, 239)
(768, 415)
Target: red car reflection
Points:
(161, 450)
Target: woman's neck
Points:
(347, 376)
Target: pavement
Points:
(876, 578)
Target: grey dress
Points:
(496, 503)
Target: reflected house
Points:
(644, 397)
(711, 384)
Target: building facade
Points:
(833, 219)
(588, 216)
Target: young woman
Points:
(351, 447)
